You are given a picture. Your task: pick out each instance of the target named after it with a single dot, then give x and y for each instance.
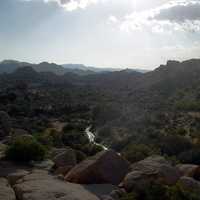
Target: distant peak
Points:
(9, 61)
(172, 62)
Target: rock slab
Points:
(6, 192)
(39, 185)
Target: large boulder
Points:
(64, 161)
(190, 170)
(104, 167)
(65, 158)
(154, 168)
(39, 185)
(6, 192)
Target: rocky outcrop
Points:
(105, 167)
(39, 185)
(154, 168)
(190, 170)
(6, 192)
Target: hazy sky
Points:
(111, 33)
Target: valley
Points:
(102, 135)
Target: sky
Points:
(103, 33)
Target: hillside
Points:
(77, 123)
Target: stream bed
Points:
(91, 137)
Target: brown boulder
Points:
(105, 167)
(154, 168)
(189, 170)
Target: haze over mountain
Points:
(9, 66)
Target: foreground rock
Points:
(105, 167)
(39, 185)
(154, 168)
(6, 192)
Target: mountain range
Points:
(9, 66)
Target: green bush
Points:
(178, 193)
(154, 191)
(91, 149)
(137, 152)
(80, 156)
(188, 105)
(173, 145)
(50, 138)
(74, 138)
(25, 148)
(192, 156)
(129, 196)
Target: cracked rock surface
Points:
(40, 185)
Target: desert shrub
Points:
(192, 156)
(78, 126)
(188, 105)
(50, 138)
(154, 191)
(74, 138)
(129, 196)
(80, 156)
(25, 148)
(151, 191)
(137, 152)
(178, 193)
(105, 132)
(173, 145)
(91, 149)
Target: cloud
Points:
(180, 12)
(71, 5)
(176, 15)
(113, 19)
